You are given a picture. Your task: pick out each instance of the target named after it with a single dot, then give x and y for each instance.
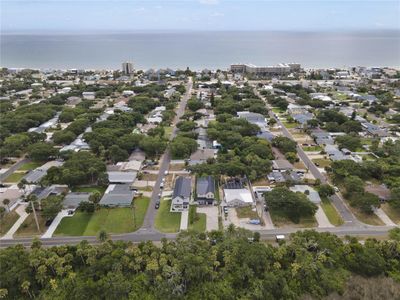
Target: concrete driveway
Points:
(212, 216)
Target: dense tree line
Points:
(218, 265)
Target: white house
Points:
(238, 197)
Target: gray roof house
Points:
(72, 200)
(117, 195)
(121, 177)
(205, 190)
(181, 194)
(34, 176)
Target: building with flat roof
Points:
(280, 69)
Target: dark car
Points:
(48, 222)
(157, 204)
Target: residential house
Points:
(117, 195)
(205, 190)
(121, 177)
(181, 194)
(74, 199)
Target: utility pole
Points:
(134, 213)
(34, 214)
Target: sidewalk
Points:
(20, 210)
(184, 220)
(53, 226)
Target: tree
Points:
(95, 197)
(183, 147)
(102, 236)
(42, 151)
(284, 144)
(117, 154)
(6, 202)
(394, 234)
(153, 145)
(293, 205)
(51, 206)
(353, 185)
(326, 190)
(350, 142)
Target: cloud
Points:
(209, 2)
(217, 14)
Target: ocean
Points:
(199, 50)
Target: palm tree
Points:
(103, 236)
(6, 202)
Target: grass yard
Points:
(28, 228)
(322, 163)
(112, 220)
(15, 177)
(312, 148)
(8, 221)
(149, 177)
(392, 213)
(371, 219)
(177, 167)
(331, 212)
(30, 166)
(167, 221)
(299, 165)
(281, 220)
(168, 131)
(89, 189)
(199, 222)
(246, 212)
(290, 125)
(277, 110)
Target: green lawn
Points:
(331, 212)
(281, 220)
(277, 110)
(168, 131)
(290, 125)
(89, 189)
(370, 219)
(392, 213)
(246, 212)
(30, 166)
(112, 220)
(199, 222)
(167, 221)
(312, 148)
(8, 221)
(15, 177)
(322, 162)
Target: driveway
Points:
(212, 216)
(53, 226)
(322, 219)
(20, 210)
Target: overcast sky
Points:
(130, 15)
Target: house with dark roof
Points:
(205, 190)
(181, 194)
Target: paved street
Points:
(148, 223)
(337, 201)
(13, 168)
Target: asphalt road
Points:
(148, 223)
(349, 219)
(13, 168)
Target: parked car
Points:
(157, 206)
(255, 222)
